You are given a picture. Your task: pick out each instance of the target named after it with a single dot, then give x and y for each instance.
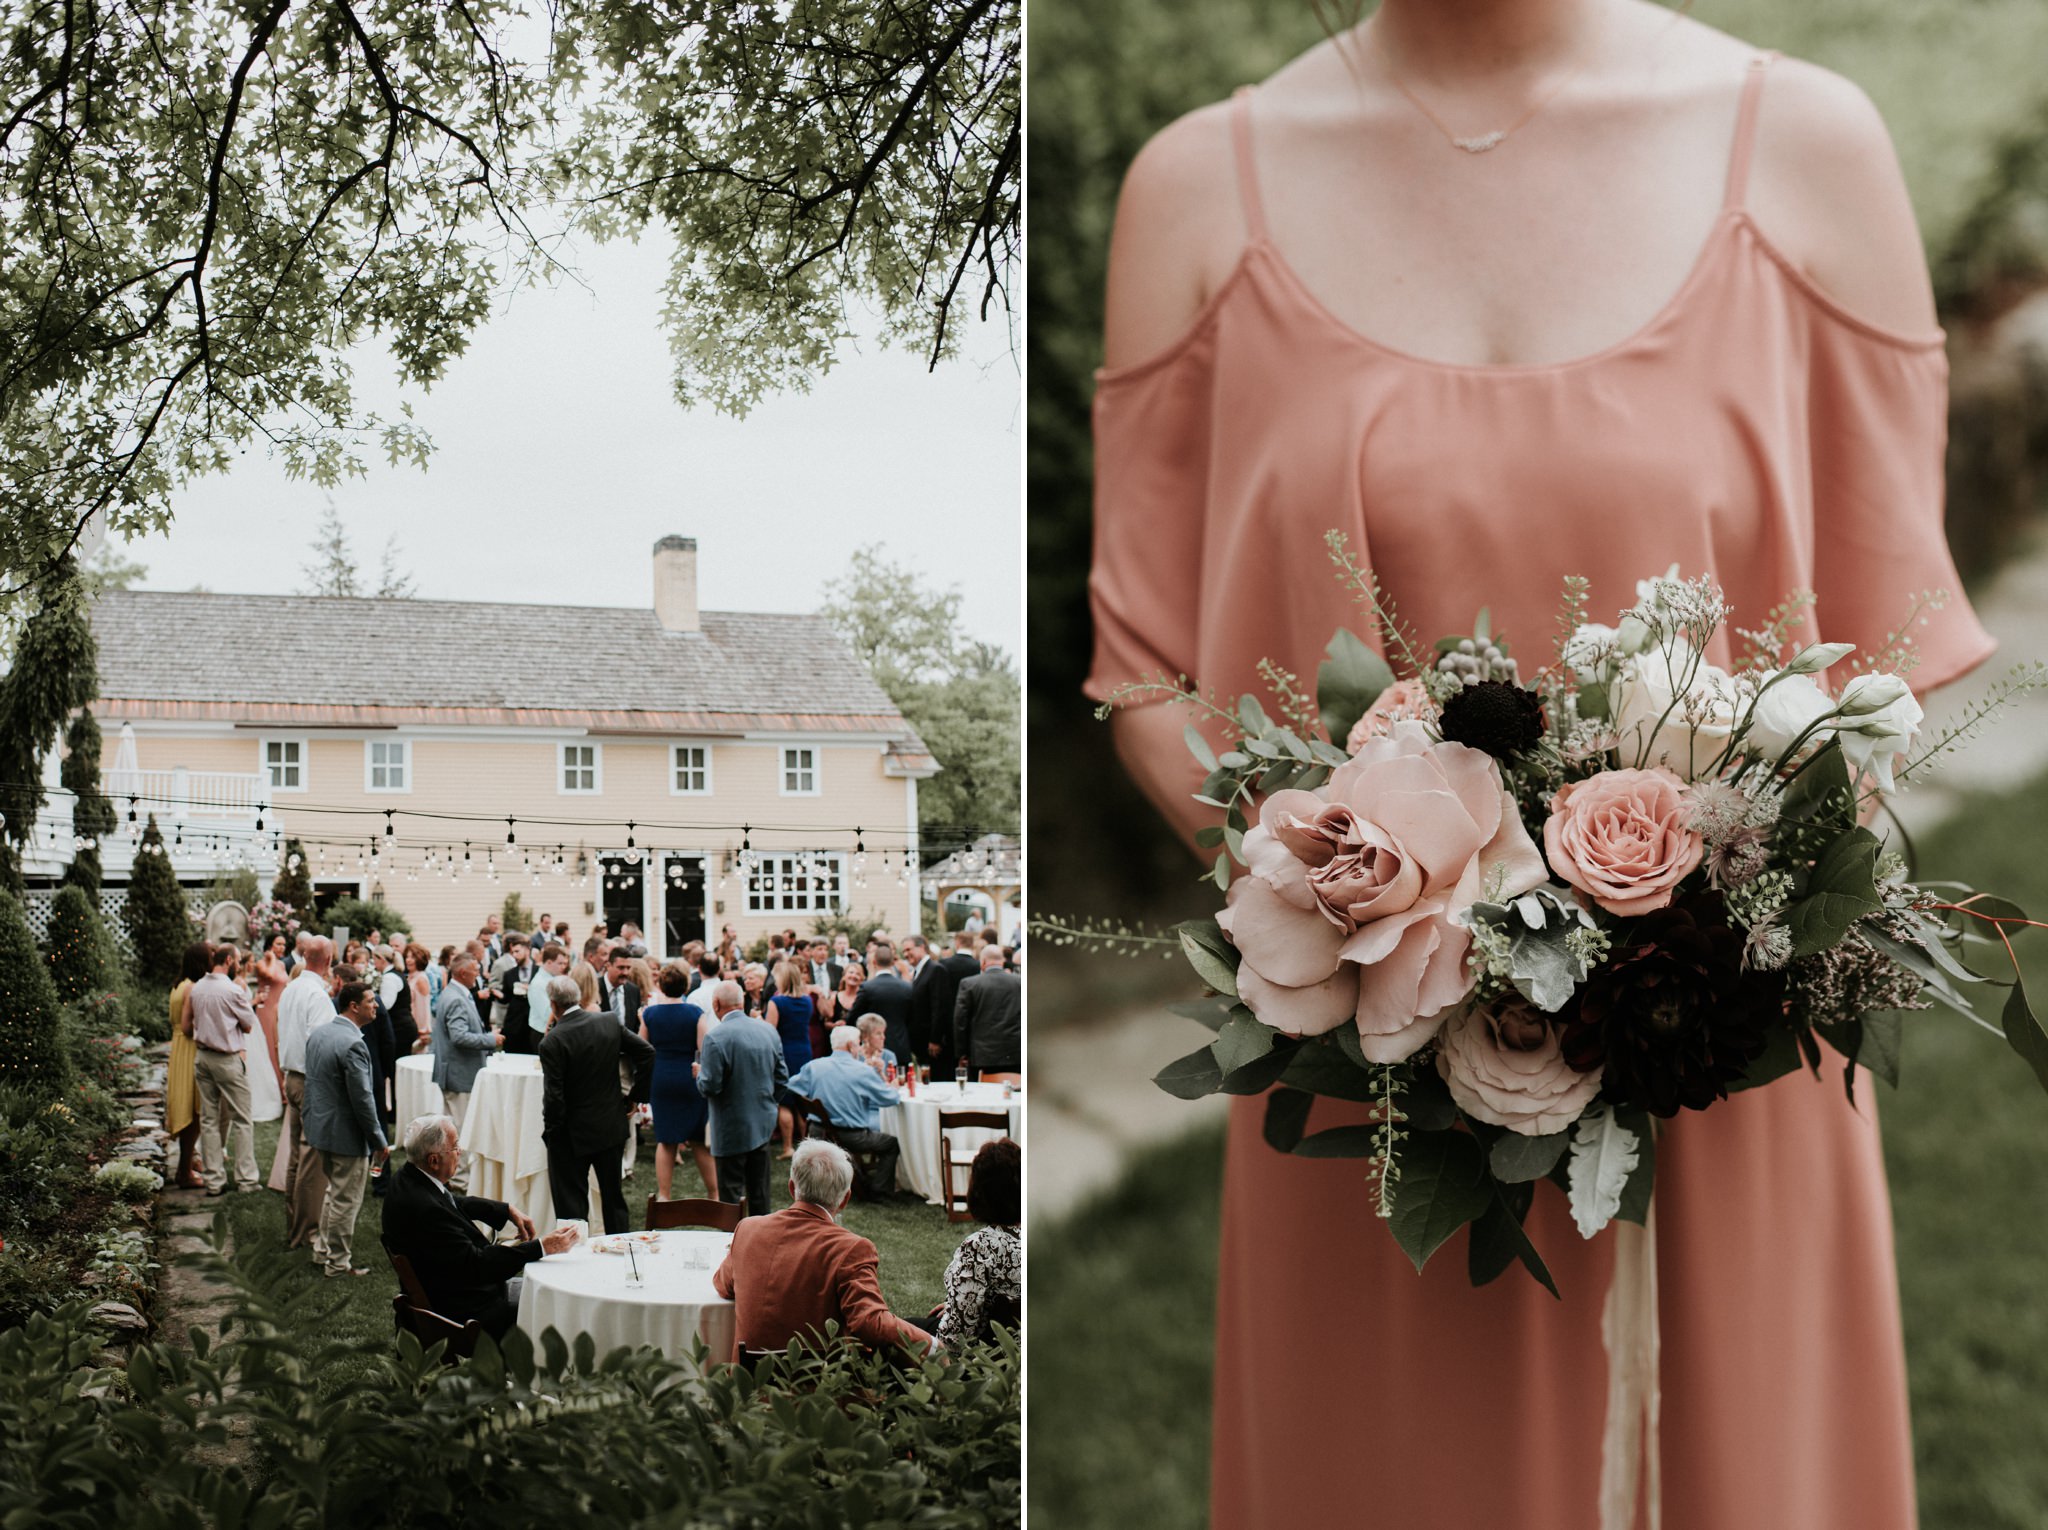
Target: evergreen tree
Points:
(77, 947)
(293, 885)
(55, 671)
(32, 1056)
(92, 815)
(157, 920)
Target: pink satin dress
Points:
(1756, 430)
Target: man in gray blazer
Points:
(341, 1122)
(740, 1070)
(988, 1017)
(460, 1046)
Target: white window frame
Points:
(776, 887)
(371, 765)
(596, 769)
(303, 762)
(786, 770)
(675, 765)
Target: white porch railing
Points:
(215, 797)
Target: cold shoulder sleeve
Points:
(1879, 421)
(1152, 438)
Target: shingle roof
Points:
(324, 659)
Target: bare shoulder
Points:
(1179, 231)
(1826, 188)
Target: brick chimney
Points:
(675, 584)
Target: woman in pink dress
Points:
(271, 978)
(1665, 303)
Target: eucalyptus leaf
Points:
(1348, 681)
(2023, 1032)
(1209, 836)
(1515, 1158)
(1210, 953)
(1286, 1118)
(1242, 1041)
(1442, 1184)
(1199, 747)
(1192, 1077)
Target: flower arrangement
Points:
(272, 918)
(1526, 919)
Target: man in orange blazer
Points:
(797, 1269)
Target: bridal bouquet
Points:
(1526, 917)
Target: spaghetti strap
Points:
(1745, 129)
(1247, 168)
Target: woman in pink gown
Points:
(1321, 315)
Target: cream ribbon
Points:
(1628, 1327)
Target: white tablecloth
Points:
(586, 1292)
(914, 1123)
(418, 1094)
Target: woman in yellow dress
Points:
(181, 1092)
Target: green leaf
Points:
(1263, 1071)
(1209, 836)
(1214, 958)
(1340, 1142)
(2023, 1032)
(1320, 1068)
(1287, 1118)
(1242, 1040)
(1498, 1239)
(1199, 747)
(1442, 1184)
(1841, 890)
(1212, 1011)
(1516, 1158)
(1642, 1179)
(1780, 1057)
(1348, 681)
(1425, 1101)
(1883, 1032)
(1220, 873)
(1192, 1077)
(1816, 787)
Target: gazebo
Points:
(985, 878)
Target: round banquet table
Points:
(584, 1291)
(501, 1138)
(418, 1094)
(914, 1122)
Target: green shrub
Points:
(92, 815)
(146, 1011)
(129, 1180)
(78, 947)
(237, 886)
(359, 916)
(158, 920)
(38, 1156)
(508, 1437)
(293, 884)
(32, 1057)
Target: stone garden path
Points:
(1092, 1098)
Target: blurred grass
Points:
(1120, 1401)
(915, 1243)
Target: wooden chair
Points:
(1003, 1078)
(960, 1159)
(411, 1311)
(693, 1213)
(818, 1123)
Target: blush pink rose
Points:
(1620, 838)
(1505, 1064)
(1344, 910)
(1403, 701)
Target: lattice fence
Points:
(38, 901)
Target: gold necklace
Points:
(1484, 141)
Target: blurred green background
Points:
(1119, 1399)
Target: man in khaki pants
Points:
(304, 1007)
(222, 1018)
(341, 1122)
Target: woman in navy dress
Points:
(790, 1013)
(679, 1110)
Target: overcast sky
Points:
(561, 455)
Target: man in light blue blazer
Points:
(740, 1070)
(341, 1122)
(461, 1043)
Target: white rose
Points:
(1656, 726)
(1879, 719)
(1788, 705)
(1590, 651)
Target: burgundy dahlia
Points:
(1672, 1016)
(1493, 716)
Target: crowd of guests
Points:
(717, 1046)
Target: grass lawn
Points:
(915, 1242)
(1120, 1402)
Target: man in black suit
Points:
(466, 1275)
(927, 1021)
(887, 995)
(988, 1017)
(620, 994)
(948, 973)
(582, 1113)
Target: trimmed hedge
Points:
(78, 947)
(33, 1061)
